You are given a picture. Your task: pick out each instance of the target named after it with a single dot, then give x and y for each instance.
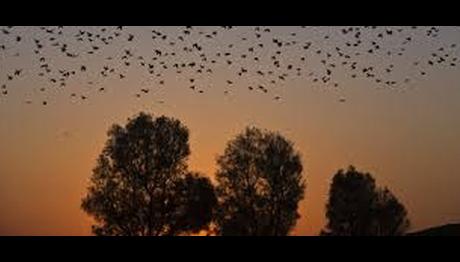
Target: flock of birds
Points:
(259, 59)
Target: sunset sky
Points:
(406, 136)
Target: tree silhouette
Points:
(197, 201)
(356, 207)
(259, 185)
(141, 186)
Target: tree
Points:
(392, 215)
(141, 186)
(259, 185)
(198, 200)
(356, 207)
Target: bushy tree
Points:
(357, 207)
(141, 186)
(259, 185)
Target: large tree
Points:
(141, 186)
(259, 185)
(357, 207)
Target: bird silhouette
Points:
(257, 53)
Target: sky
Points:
(406, 136)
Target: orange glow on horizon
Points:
(407, 138)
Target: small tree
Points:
(259, 185)
(356, 207)
(141, 185)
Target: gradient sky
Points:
(407, 136)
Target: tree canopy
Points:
(259, 185)
(141, 185)
(357, 207)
